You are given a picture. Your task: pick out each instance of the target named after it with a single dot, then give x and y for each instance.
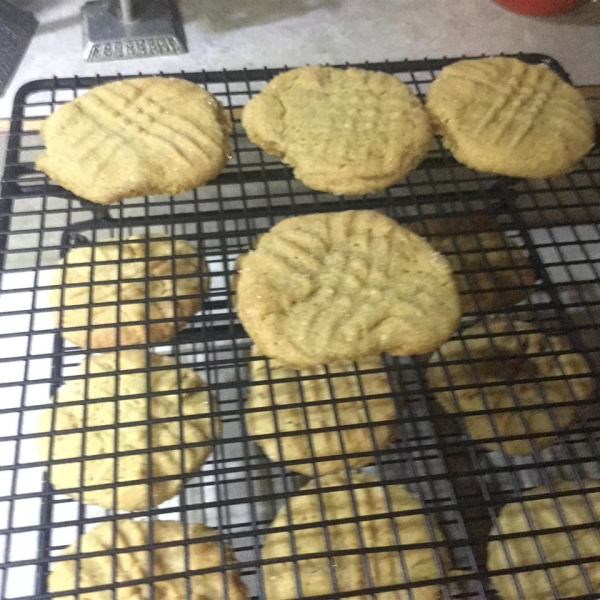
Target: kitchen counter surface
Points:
(254, 33)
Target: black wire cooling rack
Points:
(238, 491)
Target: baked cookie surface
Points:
(171, 562)
(120, 293)
(501, 115)
(577, 516)
(338, 397)
(127, 401)
(491, 272)
(340, 286)
(345, 131)
(134, 137)
(490, 372)
(361, 570)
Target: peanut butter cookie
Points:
(126, 292)
(561, 528)
(367, 567)
(340, 397)
(341, 286)
(515, 375)
(135, 409)
(180, 549)
(149, 135)
(491, 272)
(501, 115)
(345, 131)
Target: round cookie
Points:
(501, 115)
(186, 551)
(134, 137)
(534, 516)
(487, 377)
(361, 570)
(345, 131)
(347, 391)
(495, 272)
(144, 290)
(153, 395)
(340, 286)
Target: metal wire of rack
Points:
(238, 491)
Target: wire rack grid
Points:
(457, 482)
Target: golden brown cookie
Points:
(452, 224)
(238, 267)
(359, 571)
(490, 270)
(153, 395)
(341, 397)
(345, 131)
(138, 545)
(487, 371)
(149, 135)
(576, 517)
(340, 286)
(144, 290)
(501, 115)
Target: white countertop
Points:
(255, 33)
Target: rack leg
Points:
(127, 11)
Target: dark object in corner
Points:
(17, 27)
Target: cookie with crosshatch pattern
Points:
(501, 115)
(147, 550)
(490, 270)
(355, 569)
(354, 400)
(562, 527)
(345, 131)
(134, 137)
(154, 414)
(125, 292)
(514, 375)
(327, 287)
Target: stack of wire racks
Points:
(238, 491)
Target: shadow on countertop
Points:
(239, 14)
(587, 15)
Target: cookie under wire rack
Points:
(238, 491)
